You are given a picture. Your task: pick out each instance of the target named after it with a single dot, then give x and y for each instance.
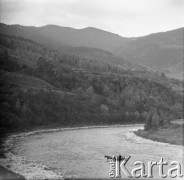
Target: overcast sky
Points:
(124, 17)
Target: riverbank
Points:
(172, 134)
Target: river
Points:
(80, 152)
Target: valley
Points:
(48, 84)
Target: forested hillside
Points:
(161, 51)
(41, 86)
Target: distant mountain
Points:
(160, 51)
(64, 36)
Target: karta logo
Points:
(118, 165)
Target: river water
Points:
(81, 152)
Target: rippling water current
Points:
(81, 152)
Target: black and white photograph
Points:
(91, 89)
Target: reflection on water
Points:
(81, 152)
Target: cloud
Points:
(125, 17)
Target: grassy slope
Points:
(173, 134)
(22, 81)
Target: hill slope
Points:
(12, 79)
(160, 50)
(58, 36)
(86, 92)
(163, 51)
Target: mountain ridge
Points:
(160, 50)
(67, 36)
(90, 27)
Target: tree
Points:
(45, 66)
(155, 120)
(144, 115)
(163, 75)
(18, 105)
(147, 125)
(104, 108)
(106, 90)
(79, 91)
(137, 115)
(90, 91)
